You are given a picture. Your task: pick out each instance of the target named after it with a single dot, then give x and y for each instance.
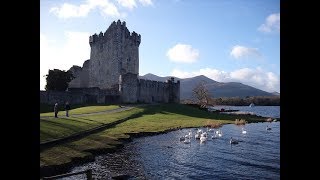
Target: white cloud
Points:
(239, 52)
(128, 3)
(67, 10)
(74, 51)
(258, 78)
(183, 53)
(272, 24)
(146, 2)
(106, 7)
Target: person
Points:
(55, 109)
(67, 108)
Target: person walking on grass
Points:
(67, 108)
(55, 109)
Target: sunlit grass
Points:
(82, 110)
(156, 118)
(53, 128)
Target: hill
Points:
(218, 89)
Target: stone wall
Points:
(155, 91)
(152, 91)
(60, 97)
(111, 73)
(81, 96)
(113, 53)
(128, 87)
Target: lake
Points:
(257, 156)
(265, 111)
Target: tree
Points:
(58, 79)
(200, 92)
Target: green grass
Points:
(142, 119)
(82, 110)
(53, 128)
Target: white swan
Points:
(232, 141)
(219, 133)
(244, 131)
(187, 141)
(203, 137)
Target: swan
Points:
(219, 133)
(232, 141)
(204, 134)
(197, 136)
(214, 136)
(244, 131)
(187, 141)
(203, 137)
(268, 128)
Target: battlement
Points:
(116, 30)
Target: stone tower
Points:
(113, 53)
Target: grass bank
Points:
(143, 120)
(81, 110)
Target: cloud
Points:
(258, 78)
(67, 10)
(272, 24)
(146, 2)
(128, 3)
(74, 51)
(106, 7)
(239, 52)
(183, 53)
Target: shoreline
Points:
(52, 170)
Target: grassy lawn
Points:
(53, 128)
(143, 119)
(82, 110)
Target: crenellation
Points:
(114, 68)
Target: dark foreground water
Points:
(257, 156)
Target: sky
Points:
(225, 40)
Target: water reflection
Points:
(257, 156)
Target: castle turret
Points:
(113, 53)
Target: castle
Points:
(111, 75)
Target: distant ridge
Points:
(276, 93)
(218, 89)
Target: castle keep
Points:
(111, 75)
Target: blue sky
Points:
(225, 40)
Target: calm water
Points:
(257, 156)
(265, 111)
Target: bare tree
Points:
(200, 92)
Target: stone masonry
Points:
(113, 71)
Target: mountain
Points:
(217, 89)
(276, 93)
(153, 77)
